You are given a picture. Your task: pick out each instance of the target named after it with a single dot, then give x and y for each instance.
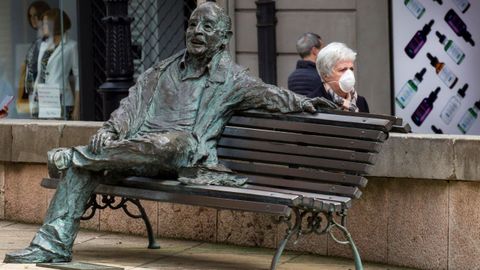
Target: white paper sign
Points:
(49, 105)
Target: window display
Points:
(434, 60)
(39, 58)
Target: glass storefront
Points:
(53, 52)
(39, 59)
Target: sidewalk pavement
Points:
(130, 252)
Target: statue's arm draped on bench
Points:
(255, 94)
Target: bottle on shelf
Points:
(453, 105)
(462, 5)
(468, 119)
(458, 26)
(409, 89)
(415, 7)
(445, 74)
(425, 107)
(418, 40)
(451, 48)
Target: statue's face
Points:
(205, 35)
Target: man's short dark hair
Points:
(306, 42)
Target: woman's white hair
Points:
(330, 55)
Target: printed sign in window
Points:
(49, 105)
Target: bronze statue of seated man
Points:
(169, 122)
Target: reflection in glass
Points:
(57, 79)
(34, 54)
(29, 68)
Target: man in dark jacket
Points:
(305, 80)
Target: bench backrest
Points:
(321, 153)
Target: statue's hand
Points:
(98, 140)
(311, 105)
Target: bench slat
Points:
(310, 174)
(354, 167)
(223, 203)
(146, 194)
(316, 140)
(329, 119)
(397, 121)
(338, 154)
(321, 202)
(215, 191)
(300, 185)
(339, 131)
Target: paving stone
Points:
(216, 256)
(4, 223)
(129, 252)
(126, 250)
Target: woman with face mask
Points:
(335, 64)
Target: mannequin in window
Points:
(51, 70)
(29, 67)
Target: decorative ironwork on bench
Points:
(110, 201)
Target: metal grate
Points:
(99, 46)
(158, 29)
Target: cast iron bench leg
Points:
(110, 202)
(152, 244)
(346, 234)
(291, 231)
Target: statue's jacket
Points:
(230, 88)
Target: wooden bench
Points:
(299, 166)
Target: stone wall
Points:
(420, 209)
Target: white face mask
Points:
(347, 81)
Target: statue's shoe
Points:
(34, 255)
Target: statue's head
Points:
(209, 30)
